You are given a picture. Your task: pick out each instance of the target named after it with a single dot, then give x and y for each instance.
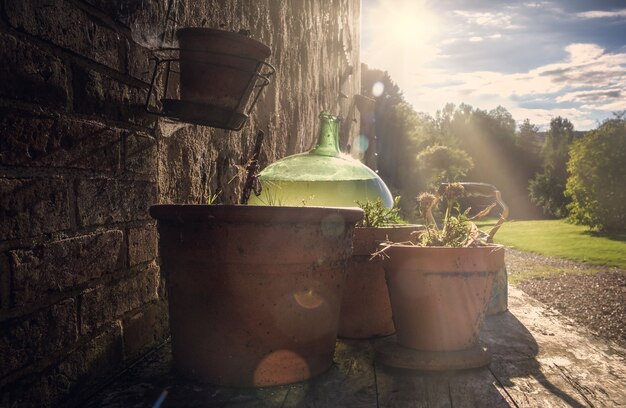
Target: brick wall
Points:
(81, 295)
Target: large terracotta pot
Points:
(439, 295)
(254, 292)
(365, 308)
(217, 67)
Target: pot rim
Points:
(192, 33)
(400, 246)
(394, 226)
(447, 247)
(182, 213)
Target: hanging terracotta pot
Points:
(218, 68)
(439, 294)
(365, 308)
(254, 292)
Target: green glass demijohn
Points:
(321, 177)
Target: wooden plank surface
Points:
(478, 388)
(540, 359)
(545, 360)
(469, 388)
(407, 388)
(153, 380)
(402, 388)
(349, 383)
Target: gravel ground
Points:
(594, 296)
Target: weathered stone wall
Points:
(315, 49)
(81, 295)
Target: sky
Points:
(538, 59)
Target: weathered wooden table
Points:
(540, 359)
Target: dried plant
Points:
(457, 230)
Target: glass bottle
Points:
(321, 177)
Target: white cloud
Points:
(534, 4)
(485, 19)
(595, 96)
(602, 14)
(615, 106)
(579, 118)
(477, 38)
(581, 86)
(583, 52)
(588, 76)
(448, 41)
(586, 66)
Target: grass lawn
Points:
(556, 238)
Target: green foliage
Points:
(377, 215)
(548, 187)
(547, 191)
(455, 232)
(556, 146)
(416, 150)
(401, 133)
(527, 139)
(597, 182)
(560, 239)
(213, 197)
(529, 160)
(489, 137)
(439, 163)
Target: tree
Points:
(597, 180)
(475, 145)
(527, 138)
(529, 160)
(438, 163)
(489, 137)
(548, 187)
(401, 133)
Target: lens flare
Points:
(280, 367)
(378, 88)
(308, 299)
(361, 144)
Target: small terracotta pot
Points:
(217, 67)
(365, 308)
(439, 295)
(254, 292)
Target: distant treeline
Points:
(417, 151)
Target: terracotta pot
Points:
(439, 295)
(217, 67)
(365, 308)
(254, 292)
(499, 302)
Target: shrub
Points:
(375, 214)
(547, 189)
(597, 181)
(438, 163)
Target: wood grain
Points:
(349, 383)
(539, 359)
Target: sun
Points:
(400, 35)
(403, 24)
